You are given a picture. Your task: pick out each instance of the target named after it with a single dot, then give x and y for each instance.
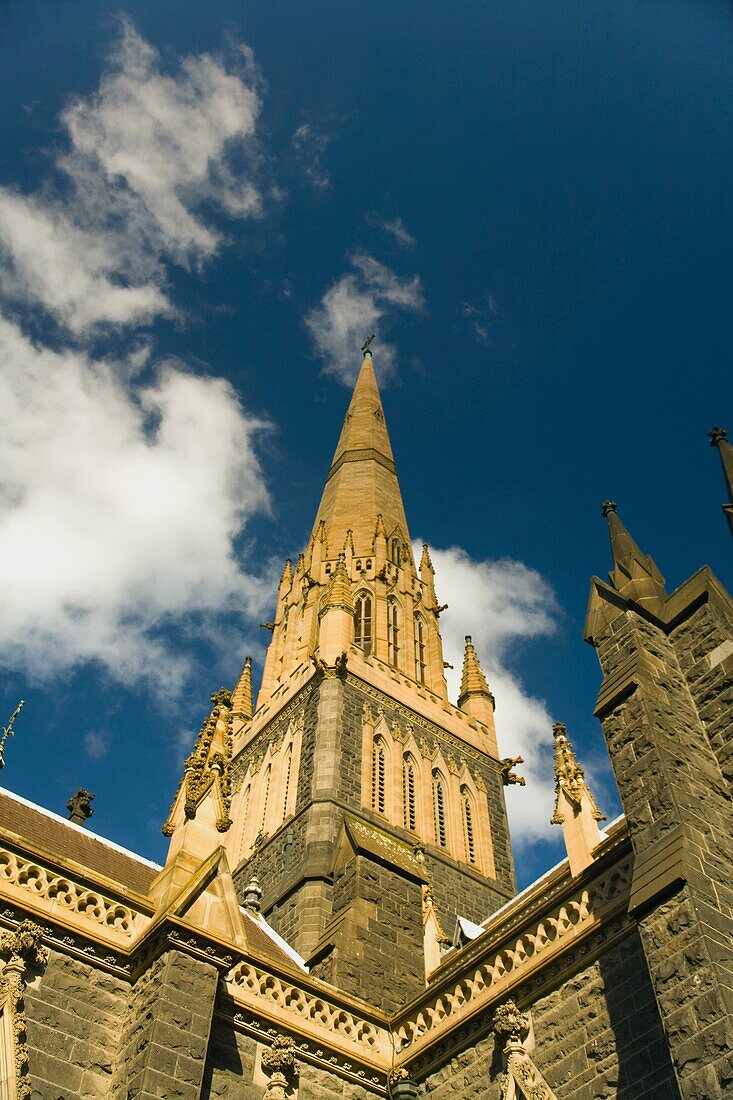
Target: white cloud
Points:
(482, 318)
(119, 506)
(396, 229)
(96, 744)
(362, 301)
(500, 603)
(147, 153)
(310, 144)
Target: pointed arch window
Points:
(441, 832)
(395, 551)
(379, 776)
(469, 825)
(420, 649)
(363, 621)
(265, 797)
(393, 631)
(287, 769)
(409, 793)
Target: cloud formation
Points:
(482, 318)
(362, 301)
(147, 153)
(119, 507)
(396, 229)
(126, 482)
(501, 603)
(310, 144)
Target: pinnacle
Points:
(242, 694)
(473, 681)
(634, 573)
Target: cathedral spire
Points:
(719, 438)
(362, 481)
(634, 574)
(575, 806)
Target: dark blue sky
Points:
(568, 162)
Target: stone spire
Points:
(719, 438)
(362, 481)
(634, 574)
(475, 698)
(575, 807)
(242, 694)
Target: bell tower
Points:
(369, 807)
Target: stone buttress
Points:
(666, 706)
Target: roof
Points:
(28, 825)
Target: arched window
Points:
(420, 664)
(288, 765)
(379, 772)
(468, 825)
(395, 551)
(265, 797)
(409, 793)
(441, 835)
(363, 621)
(393, 631)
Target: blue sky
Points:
(530, 202)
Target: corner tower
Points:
(369, 807)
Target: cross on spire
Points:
(366, 347)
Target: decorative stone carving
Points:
(21, 949)
(569, 777)
(210, 763)
(63, 892)
(401, 1086)
(507, 771)
(80, 806)
(280, 1063)
(521, 1077)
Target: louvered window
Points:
(393, 632)
(409, 794)
(420, 665)
(363, 621)
(379, 769)
(441, 835)
(468, 825)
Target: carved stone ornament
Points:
(281, 1065)
(521, 1078)
(207, 766)
(20, 948)
(507, 771)
(401, 1085)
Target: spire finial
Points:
(717, 436)
(366, 347)
(7, 731)
(608, 507)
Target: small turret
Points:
(575, 807)
(719, 438)
(427, 579)
(475, 698)
(336, 615)
(242, 694)
(634, 574)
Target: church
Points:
(337, 915)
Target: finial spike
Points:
(575, 807)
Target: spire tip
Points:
(608, 507)
(717, 436)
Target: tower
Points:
(369, 807)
